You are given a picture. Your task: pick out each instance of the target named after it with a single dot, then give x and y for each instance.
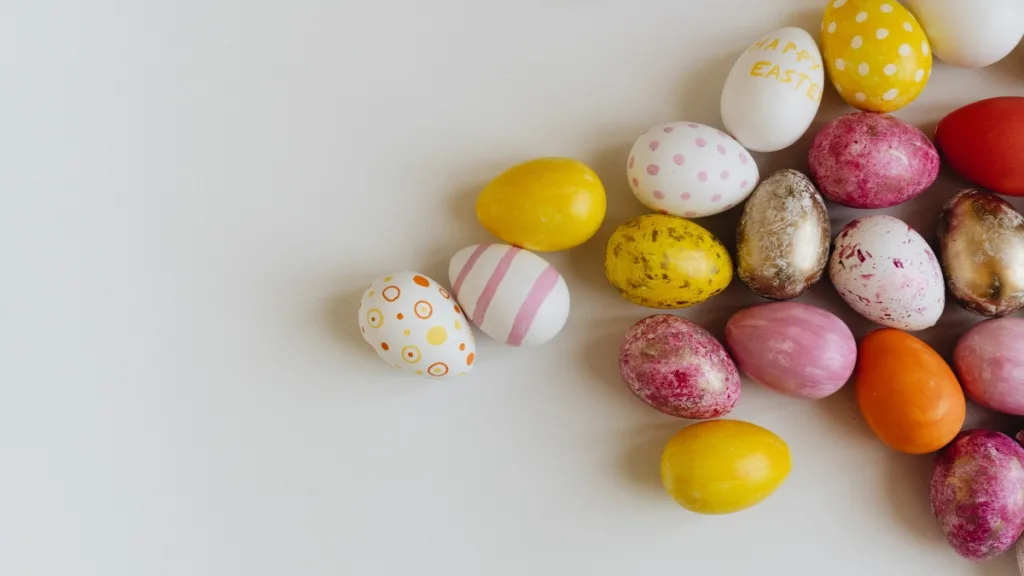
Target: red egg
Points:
(984, 143)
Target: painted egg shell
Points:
(989, 359)
(887, 273)
(783, 238)
(975, 493)
(981, 240)
(867, 160)
(792, 348)
(666, 262)
(546, 204)
(970, 34)
(511, 294)
(908, 395)
(982, 142)
(678, 368)
(876, 54)
(690, 170)
(773, 90)
(414, 324)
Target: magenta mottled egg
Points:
(679, 368)
(989, 360)
(792, 348)
(869, 160)
(976, 489)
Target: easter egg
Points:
(887, 273)
(970, 34)
(792, 348)
(981, 240)
(989, 359)
(976, 493)
(876, 53)
(983, 142)
(688, 169)
(415, 325)
(908, 395)
(773, 90)
(511, 294)
(544, 205)
(867, 160)
(678, 368)
(666, 262)
(723, 466)
(783, 237)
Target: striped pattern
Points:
(511, 294)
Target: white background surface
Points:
(196, 192)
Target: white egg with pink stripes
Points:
(511, 294)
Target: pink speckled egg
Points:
(792, 348)
(887, 273)
(976, 492)
(869, 160)
(989, 360)
(679, 368)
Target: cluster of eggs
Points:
(877, 55)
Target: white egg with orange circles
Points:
(690, 170)
(416, 325)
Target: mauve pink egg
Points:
(989, 360)
(792, 348)
(679, 368)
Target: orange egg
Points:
(908, 394)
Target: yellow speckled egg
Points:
(666, 262)
(543, 205)
(876, 53)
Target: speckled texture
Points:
(981, 245)
(977, 493)
(869, 160)
(783, 237)
(792, 348)
(989, 360)
(679, 368)
(886, 272)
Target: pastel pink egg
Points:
(989, 360)
(792, 348)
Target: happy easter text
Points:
(770, 70)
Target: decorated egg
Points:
(983, 143)
(783, 238)
(773, 90)
(970, 34)
(868, 160)
(690, 170)
(415, 325)
(981, 240)
(511, 294)
(876, 53)
(887, 273)
(989, 359)
(666, 262)
(544, 205)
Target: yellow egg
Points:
(666, 262)
(723, 466)
(543, 205)
(876, 53)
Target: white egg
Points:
(970, 34)
(887, 273)
(511, 294)
(416, 325)
(690, 170)
(773, 90)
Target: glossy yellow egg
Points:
(723, 466)
(666, 262)
(543, 205)
(876, 53)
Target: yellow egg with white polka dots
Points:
(877, 56)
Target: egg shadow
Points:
(641, 460)
(907, 487)
(599, 359)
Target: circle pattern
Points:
(391, 293)
(437, 369)
(423, 309)
(411, 354)
(374, 318)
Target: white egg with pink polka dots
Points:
(690, 170)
